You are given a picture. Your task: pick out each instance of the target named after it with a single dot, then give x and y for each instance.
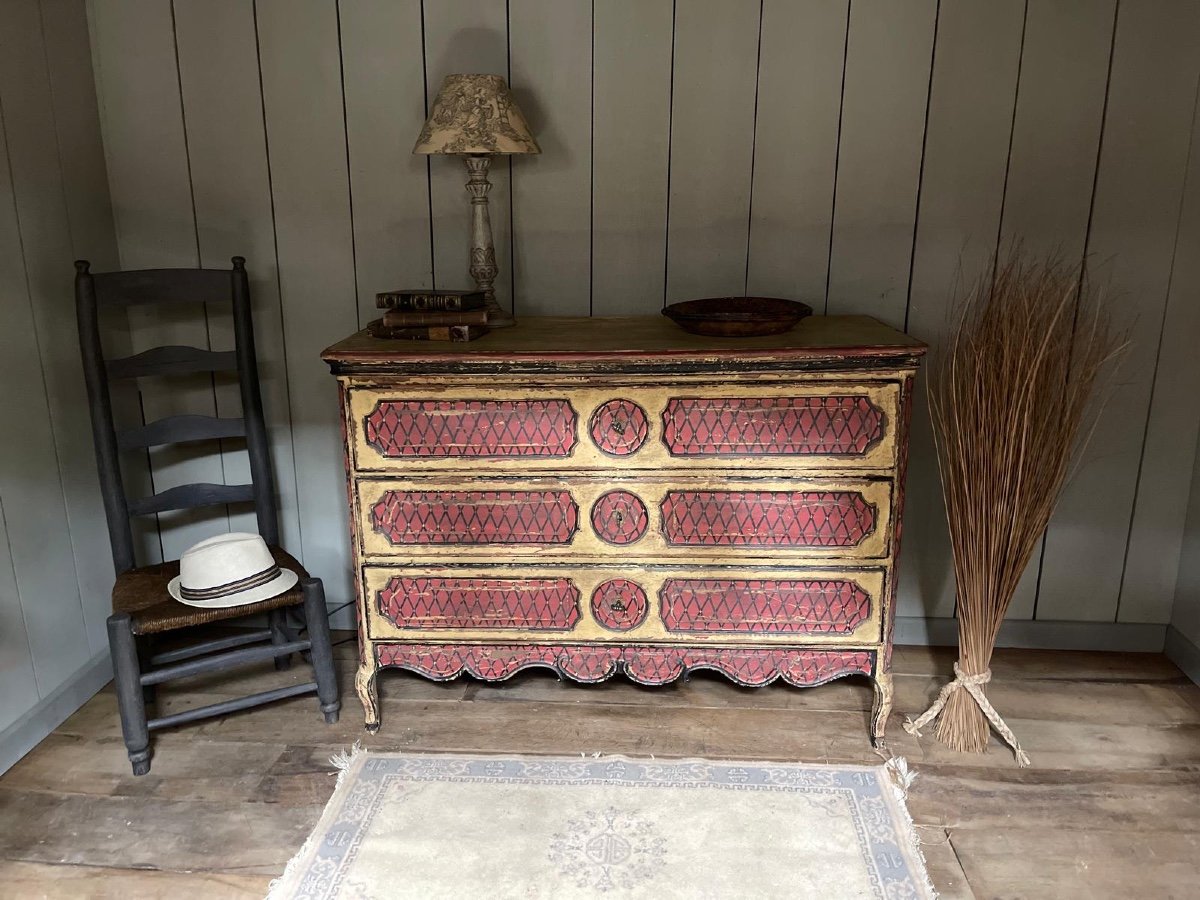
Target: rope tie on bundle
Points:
(973, 685)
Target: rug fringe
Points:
(341, 762)
(344, 759)
(900, 779)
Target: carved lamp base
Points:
(483, 266)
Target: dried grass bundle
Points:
(1012, 398)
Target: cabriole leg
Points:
(882, 709)
(368, 690)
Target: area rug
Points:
(442, 826)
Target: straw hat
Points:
(229, 570)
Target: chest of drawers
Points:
(612, 495)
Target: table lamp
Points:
(474, 117)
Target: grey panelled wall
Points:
(55, 566)
(859, 154)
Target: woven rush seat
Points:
(142, 593)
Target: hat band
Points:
(233, 587)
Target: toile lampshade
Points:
(475, 114)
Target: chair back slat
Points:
(172, 361)
(180, 430)
(161, 286)
(190, 496)
(94, 292)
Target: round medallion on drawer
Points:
(619, 427)
(620, 517)
(619, 604)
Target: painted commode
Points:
(604, 495)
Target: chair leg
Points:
(277, 622)
(122, 644)
(145, 650)
(322, 648)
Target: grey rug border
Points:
(349, 764)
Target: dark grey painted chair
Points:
(143, 610)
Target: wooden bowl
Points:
(737, 316)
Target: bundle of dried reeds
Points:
(1013, 399)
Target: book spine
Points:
(395, 318)
(428, 302)
(430, 332)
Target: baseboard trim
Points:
(52, 710)
(1181, 651)
(1040, 635)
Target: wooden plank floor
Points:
(1110, 808)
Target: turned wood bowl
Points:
(737, 316)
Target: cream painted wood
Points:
(45, 230)
(1161, 508)
(1132, 239)
(795, 148)
(39, 539)
(586, 545)
(138, 81)
(712, 147)
(879, 456)
(551, 75)
(16, 658)
(587, 578)
(466, 36)
(631, 115)
(971, 102)
(302, 103)
(888, 57)
(1055, 146)
(383, 69)
(227, 154)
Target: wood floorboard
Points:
(1109, 808)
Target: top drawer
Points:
(812, 425)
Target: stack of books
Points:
(425, 315)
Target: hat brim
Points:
(284, 581)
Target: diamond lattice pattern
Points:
(482, 603)
(767, 518)
(771, 426)
(787, 607)
(476, 517)
(399, 428)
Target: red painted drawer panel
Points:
(406, 517)
(419, 602)
(772, 426)
(471, 428)
(766, 518)
(764, 607)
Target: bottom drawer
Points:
(693, 605)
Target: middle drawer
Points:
(650, 518)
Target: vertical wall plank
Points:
(466, 36)
(138, 82)
(42, 215)
(383, 64)
(302, 98)
(712, 147)
(889, 51)
(795, 148)
(218, 70)
(1160, 512)
(1055, 143)
(30, 485)
(550, 50)
(1136, 211)
(631, 115)
(966, 151)
(16, 663)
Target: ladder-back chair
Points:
(142, 607)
